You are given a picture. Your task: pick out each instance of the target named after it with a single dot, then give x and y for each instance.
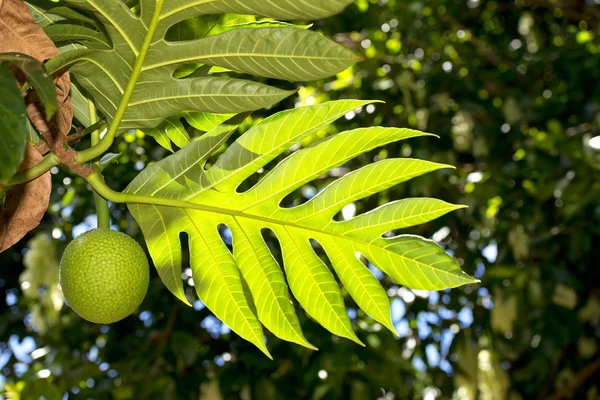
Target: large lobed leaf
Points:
(209, 199)
(103, 66)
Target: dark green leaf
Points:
(37, 77)
(13, 125)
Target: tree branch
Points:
(579, 380)
(162, 346)
(43, 147)
(36, 171)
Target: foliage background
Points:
(512, 90)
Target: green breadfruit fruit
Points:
(104, 275)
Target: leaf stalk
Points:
(51, 160)
(108, 139)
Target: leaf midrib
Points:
(41, 12)
(156, 99)
(164, 224)
(298, 338)
(363, 191)
(84, 57)
(349, 333)
(421, 214)
(185, 7)
(228, 55)
(212, 255)
(230, 212)
(362, 285)
(117, 27)
(86, 36)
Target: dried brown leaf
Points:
(25, 204)
(21, 34)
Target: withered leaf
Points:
(25, 204)
(21, 34)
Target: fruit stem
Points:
(102, 210)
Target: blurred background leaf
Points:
(512, 90)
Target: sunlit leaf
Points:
(209, 199)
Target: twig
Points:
(579, 380)
(482, 48)
(68, 156)
(162, 346)
(555, 367)
(56, 141)
(43, 148)
(589, 13)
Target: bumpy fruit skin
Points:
(104, 275)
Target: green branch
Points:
(108, 139)
(51, 160)
(26, 86)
